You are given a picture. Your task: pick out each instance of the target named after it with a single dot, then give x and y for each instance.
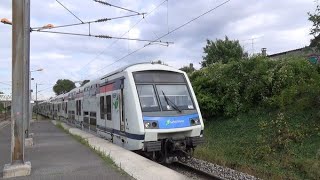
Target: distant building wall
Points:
(310, 53)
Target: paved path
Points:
(56, 155)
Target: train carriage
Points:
(150, 108)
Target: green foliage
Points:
(188, 69)
(63, 86)
(315, 30)
(229, 89)
(159, 62)
(222, 51)
(276, 136)
(1, 107)
(84, 82)
(267, 144)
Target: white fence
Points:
(4, 97)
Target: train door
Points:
(78, 112)
(118, 115)
(121, 108)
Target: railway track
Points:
(189, 171)
(192, 172)
(193, 169)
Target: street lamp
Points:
(6, 21)
(30, 99)
(37, 100)
(37, 70)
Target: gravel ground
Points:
(186, 172)
(223, 172)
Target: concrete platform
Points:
(135, 165)
(56, 155)
(16, 170)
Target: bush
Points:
(229, 89)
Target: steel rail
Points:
(198, 171)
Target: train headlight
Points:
(151, 125)
(195, 121)
(147, 125)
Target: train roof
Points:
(130, 68)
(142, 66)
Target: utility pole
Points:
(20, 89)
(28, 140)
(37, 101)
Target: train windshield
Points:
(174, 97)
(148, 100)
(163, 91)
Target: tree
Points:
(63, 86)
(315, 30)
(1, 92)
(222, 51)
(159, 62)
(188, 69)
(84, 82)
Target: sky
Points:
(276, 25)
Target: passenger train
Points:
(149, 108)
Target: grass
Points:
(241, 143)
(106, 158)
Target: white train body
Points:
(145, 107)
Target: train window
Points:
(108, 107)
(102, 107)
(79, 107)
(148, 100)
(93, 114)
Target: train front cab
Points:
(170, 113)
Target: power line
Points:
(5, 84)
(87, 22)
(168, 14)
(114, 42)
(69, 11)
(108, 4)
(177, 28)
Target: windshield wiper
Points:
(173, 104)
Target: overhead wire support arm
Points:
(86, 22)
(108, 4)
(103, 36)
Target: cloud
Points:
(278, 26)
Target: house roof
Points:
(285, 52)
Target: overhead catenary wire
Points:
(188, 22)
(108, 4)
(70, 11)
(175, 29)
(5, 84)
(114, 42)
(87, 22)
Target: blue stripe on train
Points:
(126, 134)
(170, 122)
